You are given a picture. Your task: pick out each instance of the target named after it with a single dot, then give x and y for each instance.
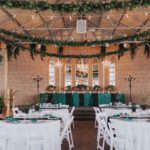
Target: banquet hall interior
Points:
(74, 74)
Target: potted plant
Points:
(144, 103)
(68, 88)
(2, 104)
(81, 87)
(111, 88)
(51, 88)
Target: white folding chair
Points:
(71, 115)
(35, 139)
(97, 111)
(121, 138)
(101, 119)
(66, 133)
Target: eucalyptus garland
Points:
(42, 41)
(74, 7)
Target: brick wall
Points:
(22, 71)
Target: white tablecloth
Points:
(18, 132)
(114, 111)
(139, 130)
(61, 113)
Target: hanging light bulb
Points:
(70, 18)
(51, 17)
(89, 17)
(108, 17)
(33, 17)
(146, 14)
(127, 15)
(14, 15)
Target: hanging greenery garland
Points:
(11, 45)
(74, 7)
(42, 41)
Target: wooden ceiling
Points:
(62, 26)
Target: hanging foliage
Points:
(9, 48)
(147, 50)
(103, 52)
(43, 51)
(42, 41)
(32, 50)
(16, 52)
(60, 50)
(74, 7)
(121, 50)
(133, 48)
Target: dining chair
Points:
(66, 133)
(36, 139)
(121, 138)
(71, 115)
(97, 111)
(100, 134)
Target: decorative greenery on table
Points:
(110, 88)
(75, 7)
(97, 88)
(2, 104)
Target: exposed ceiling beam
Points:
(119, 20)
(144, 24)
(46, 24)
(15, 20)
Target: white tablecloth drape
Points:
(17, 134)
(61, 113)
(139, 129)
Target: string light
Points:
(70, 18)
(89, 17)
(146, 14)
(14, 15)
(51, 17)
(127, 15)
(108, 17)
(33, 17)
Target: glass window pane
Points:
(95, 74)
(112, 74)
(68, 75)
(52, 72)
(82, 72)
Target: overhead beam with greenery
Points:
(74, 7)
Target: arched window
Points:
(82, 71)
(95, 80)
(112, 74)
(68, 71)
(52, 71)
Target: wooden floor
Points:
(84, 136)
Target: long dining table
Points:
(18, 131)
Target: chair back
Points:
(72, 111)
(66, 128)
(96, 109)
